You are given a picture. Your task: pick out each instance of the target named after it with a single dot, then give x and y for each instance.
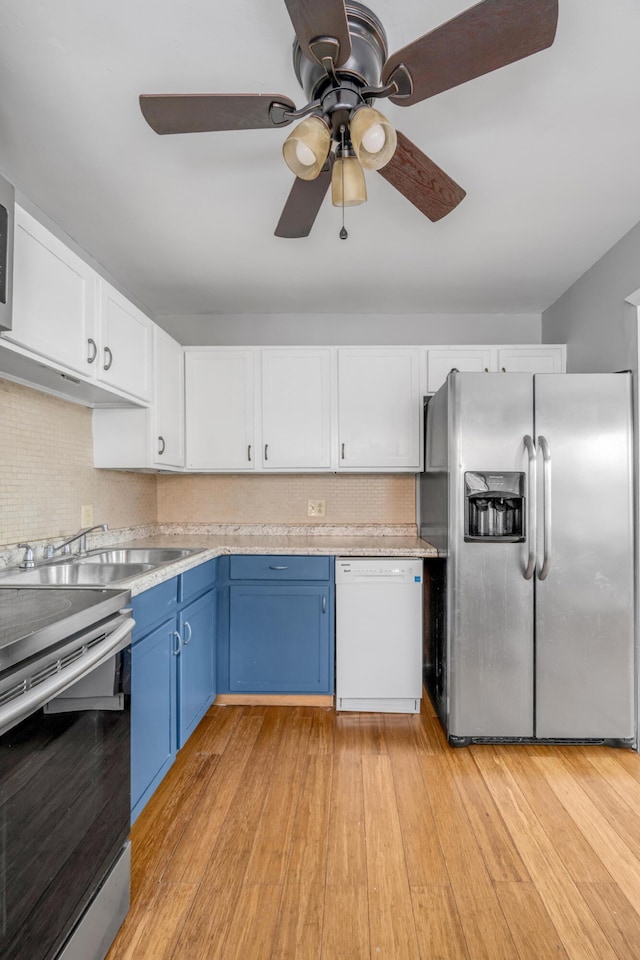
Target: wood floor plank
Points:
(214, 730)
(346, 854)
(372, 732)
(438, 926)
(345, 932)
(322, 726)
(581, 935)
(159, 930)
(424, 860)
(531, 926)
(496, 844)
(569, 842)
(617, 917)
(254, 922)
(485, 929)
(391, 920)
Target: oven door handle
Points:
(17, 710)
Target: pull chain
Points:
(343, 231)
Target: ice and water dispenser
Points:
(494, 506)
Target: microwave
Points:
(7, 206)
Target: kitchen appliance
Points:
(341, 60)
(379, 634)
(7, 205)
(64, 771)
(527, 493)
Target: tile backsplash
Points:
(47, 473)
(47, 476)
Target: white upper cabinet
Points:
(124, 350)
(441, 360)
(296, 408)
(54, 307)
(379, 402)
(547, 358)
(219, 391)
(168, 406)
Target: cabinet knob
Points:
(93, 350)
(108, 359)
(161, 446)
(486, 369)
(504, 369)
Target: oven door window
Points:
(64, 815)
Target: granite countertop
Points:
(219, 540)
(216, 545)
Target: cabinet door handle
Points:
(187, 627)
(342, 451)
(249, 453)
(275, 566)
(504, 369)
(108, 359)
(486, 369)
(266, 451)
(161, 446)
(177, 647)
(93, 350)
(324, 603)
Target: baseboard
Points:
(274, 700)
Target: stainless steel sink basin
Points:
(74, 574)
(152, 555)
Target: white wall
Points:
(592, 317)
(341, 329)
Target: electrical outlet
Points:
(86, 516)
(315, 508)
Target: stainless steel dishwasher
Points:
(379, 634)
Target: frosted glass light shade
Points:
(373, 138)
(305, 149)
(347, 170)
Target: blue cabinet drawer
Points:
(154, 605)
(280, 568)
(197, 580)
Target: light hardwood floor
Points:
(293, 832)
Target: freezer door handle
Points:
(531, 511)
(546, 508)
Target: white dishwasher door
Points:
(379, 634)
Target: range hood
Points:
(7, 204)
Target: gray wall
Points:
(592, 317)
(341, 329)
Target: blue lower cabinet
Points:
(153, 712)
(196, 663)
(280, 638)
(172, 673)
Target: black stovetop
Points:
(33, 619)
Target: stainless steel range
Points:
(64, 771)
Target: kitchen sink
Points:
(74, 574)
(152, 555)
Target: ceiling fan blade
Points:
(479, 40)
(205, 112)
(313, 20)
(421, 180)
(303, 204)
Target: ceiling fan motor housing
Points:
(363, 68)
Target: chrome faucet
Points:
(80, 536)
(27, 560)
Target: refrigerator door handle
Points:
(531, 511)
(546, 508)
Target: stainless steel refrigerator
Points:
(528, 494)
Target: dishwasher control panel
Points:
(400, 569)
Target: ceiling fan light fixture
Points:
(374, 139)
(348, 186)
(306, 148)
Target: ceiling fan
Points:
(341, 60)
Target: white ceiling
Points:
(548, 150)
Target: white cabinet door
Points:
(296, 408)
(441, 360)
(168, 408)
(546, 358)
(219, 392)
(125, 347)
(379, 408)
(54, 298)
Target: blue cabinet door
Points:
(153, 712)
(280, 638)
(196, 663)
